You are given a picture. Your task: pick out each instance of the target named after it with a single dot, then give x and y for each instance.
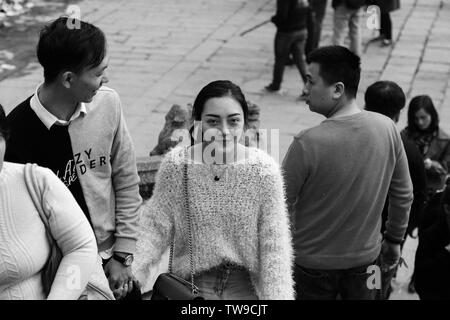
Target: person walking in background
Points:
(386, 7)
(387, 98)
(318, 8)
(25, 247)
(338, 176)
(241, 244)
(432, 261)
(348, 13)
(291, 22)
(74, 126)
(434, 145)
(433, 142)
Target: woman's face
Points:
(2, 150)
(223, 119)
(422, 119)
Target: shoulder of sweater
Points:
(104, 90)
(374, 117)
(443, 135)
(44, 172)
(14, 168)
(45, 175)
(104, 99)
(175, 155)
(307, 133)
(260, 156)
(378, 117)
(172, 160)
(20, 111)
(41, 173)
(263, 161)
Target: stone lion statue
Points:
(178, 120)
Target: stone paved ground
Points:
(164, 51)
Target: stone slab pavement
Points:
(164, 51)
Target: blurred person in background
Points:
(348, 14)
(433, 142)
(386, 7)
(291, 21)
(387, 98)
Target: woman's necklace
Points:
(218, 174)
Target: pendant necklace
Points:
(218, 176)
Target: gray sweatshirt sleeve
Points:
(125, 180)
(400, 195)
(294, 172)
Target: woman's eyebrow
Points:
(217, 116)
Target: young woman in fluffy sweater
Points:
(240, 227)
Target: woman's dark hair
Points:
(218, 89)
(66, 47)
(4, 131)
(422, 102)
(385, 97)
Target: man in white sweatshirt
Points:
(74, 125)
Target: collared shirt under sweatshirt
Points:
(338, 175)
(103, 159)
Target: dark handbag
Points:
(169, 286)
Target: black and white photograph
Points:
(224, 150)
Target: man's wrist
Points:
(124, 258)
(122, 254)
(392, 240)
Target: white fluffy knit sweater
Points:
(241, 218)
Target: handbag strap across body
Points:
(189, 226)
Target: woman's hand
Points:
(435, 165)
(427, 162)
(438, 167)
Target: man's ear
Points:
(339, 90)
(67, 78)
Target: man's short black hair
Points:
(64, 47)
(338, 64)
(385, 97)
(3, 124)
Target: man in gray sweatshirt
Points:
(338, 175)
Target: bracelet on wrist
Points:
(392, 240)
